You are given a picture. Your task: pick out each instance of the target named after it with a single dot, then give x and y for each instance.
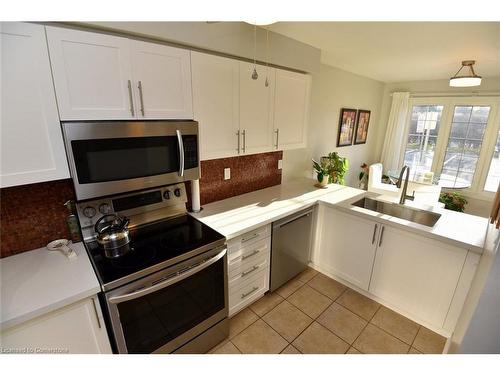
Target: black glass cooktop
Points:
(151, 245)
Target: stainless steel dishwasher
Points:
(291, 246)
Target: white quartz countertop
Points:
(237, 215)
(40, 281)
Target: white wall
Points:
(333, 89)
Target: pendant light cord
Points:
(255, 46)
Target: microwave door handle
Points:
(172, 280)
(181, 152)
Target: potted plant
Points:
(322, 173)
(453, 201)
(334, 167)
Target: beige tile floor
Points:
(315, 314)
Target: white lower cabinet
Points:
(249, 257)
(424, 279)
(347, 246)
(77, 328)
(417, 274)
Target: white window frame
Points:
(489, 138)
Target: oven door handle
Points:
(172, 280)
(181, 152)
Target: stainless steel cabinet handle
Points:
(253, 269)
(277, 131)
(171, 280)
(381, 236)
(250, 292)
(141, 98)
(238, 135)
(131, 99)
(244, 140)
(181, 153)
(255, 252)
(96, 314)
(374, 233)
(249, 238)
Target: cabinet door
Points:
(31, 138)
(416, 274)
(92, 75)
(256, 109)
(78, 328)
(216, 104)
(291, 109)
(162, 80)
(347, 246)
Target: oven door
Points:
(115, 157)
(164, 311)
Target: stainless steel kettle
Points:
(113, 235)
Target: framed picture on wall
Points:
(362, 123)
(346, 127)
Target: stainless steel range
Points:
(168, 292)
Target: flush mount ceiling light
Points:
(261, 22)
(472, 79)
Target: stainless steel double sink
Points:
(414, 215)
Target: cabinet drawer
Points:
(248, 291)
(247, 269)
(242, 256)
(248, 238)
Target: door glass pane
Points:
(493, 179)
(464, 145)
(151, 321)
(422, 137)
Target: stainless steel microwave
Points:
(110, 157)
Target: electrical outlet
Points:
(227, 173)
(280, 164)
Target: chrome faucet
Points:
(404, 197)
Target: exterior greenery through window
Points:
(458, 140)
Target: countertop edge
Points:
(341, 205)
(23, 318)
(417, 231)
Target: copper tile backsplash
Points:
(248, 173)
(33, 215)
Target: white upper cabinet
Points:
(216, 104)
(256, 109)
(92, 75)
(291, 109)
(162, 79)
(32, 148)
(104, 77)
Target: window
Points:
(422, 138)
(464, 146)
(493, 177)
(458, 140)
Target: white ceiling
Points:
(401, 51)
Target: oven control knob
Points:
(166, 194)
(177, 192)
(104, 208)
(89, 212)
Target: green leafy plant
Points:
(321, 170)
(453, 201)
(333, 166)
